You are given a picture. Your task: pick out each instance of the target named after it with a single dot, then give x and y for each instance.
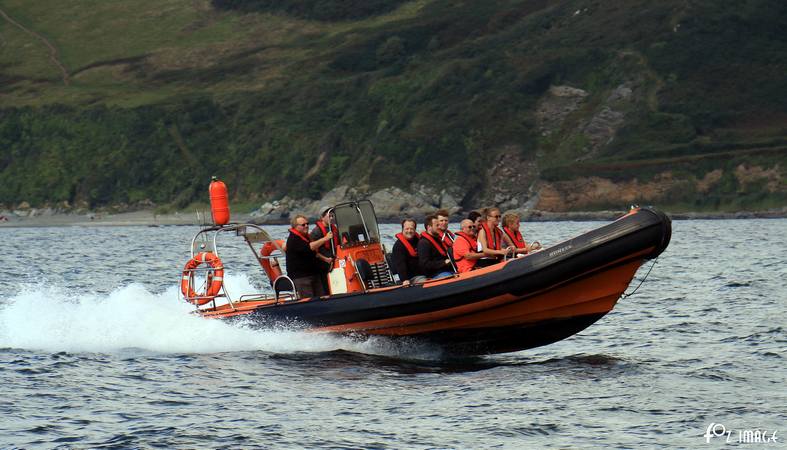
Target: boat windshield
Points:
(357, 223)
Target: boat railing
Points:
(279, 296)
(284, 287)
(261, 297)
(206, 240)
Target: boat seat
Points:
(364, 270)
(374, 275)
(284, 287)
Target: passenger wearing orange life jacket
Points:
(466, 253)
(477, 218)
(442, 225)
(404, 255)
(325, 253)
(511, 230)
(302, 259)
(494, 243)
(432, 255)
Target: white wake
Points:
(47, 318)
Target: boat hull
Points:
(522, 303)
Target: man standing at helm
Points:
(325, 252)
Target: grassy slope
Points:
(426, 92)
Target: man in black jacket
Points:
(301, 258)
(432, 255)
(404, 255)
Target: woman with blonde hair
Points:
(511, 231)
(492, 239)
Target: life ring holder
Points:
(215, 278)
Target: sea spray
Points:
(53, 319)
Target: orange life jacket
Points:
(436, 244)
(412, 251)
(448, 238)
(335, 232)
(470, 240)
(305, 237)
(516, 238)
(494, 240)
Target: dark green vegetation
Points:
(328, 10)
(295, 96)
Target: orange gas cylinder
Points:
(219, 202)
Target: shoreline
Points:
(148, 218)
(92, 219)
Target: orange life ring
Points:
(214, 282)
(272, 270)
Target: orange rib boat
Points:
(514, 305)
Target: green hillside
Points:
(106, 103)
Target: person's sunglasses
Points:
(495, 217)
(303, 224)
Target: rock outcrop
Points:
(512, 179)
(556, 105)
(390, 204)
(590, 193)
(517, 188)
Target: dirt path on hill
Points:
(53, 54)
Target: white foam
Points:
(54, 320)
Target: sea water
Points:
(98, 351)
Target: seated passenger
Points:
(492, 239)
(477, 218)
(442, 225)
(466, 250)
(432, 255)
(404, 255)
(511, 229)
